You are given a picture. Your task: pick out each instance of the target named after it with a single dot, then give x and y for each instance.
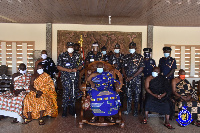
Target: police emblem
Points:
(184, 117)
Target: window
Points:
(187, 58)
(14, 53)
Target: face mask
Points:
(44, 56)
(70, 50)
(132, 51)
(22, 72)
(182, 77)
(146, 55)
(103, 52)
(116, 51)
(40, 71)
(166, 54)
(154, 74)
(99, 70)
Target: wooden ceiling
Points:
(122, 12)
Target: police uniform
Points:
(117, 61)
(106, 56)
(131, 66)
(64, 60)
(149, 63)
(167, 64)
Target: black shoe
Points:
(64, 114)
(135, 113)
(72, 110)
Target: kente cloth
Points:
(47, 101)
(184, 88)
(158, 85)
(11, 105)
(104, 100)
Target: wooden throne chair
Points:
(86, 113)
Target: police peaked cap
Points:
(117, 45)
(147, 50)
(70, 44)
(104, 47)
(95, 44)
(132, 44)
(167, 49)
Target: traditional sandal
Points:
(93, 119)
(41, 122)
(26, 121)
(110, 119)
(197, 123)
(169, 126)
(144, 121)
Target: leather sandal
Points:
(26, 121)
(110, 119)
(169, 126)
(41, 122)
(144, 121)
(93, 119)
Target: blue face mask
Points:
(166, 54)
(132, 51)
(103, 52)
(154, 74)
(116, 51)
(99, 70)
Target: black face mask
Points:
(147, 55)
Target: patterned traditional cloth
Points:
(184, 88)
(46, 102)
(104, 100)
(11, 105)
(158, 85)
(64, 60)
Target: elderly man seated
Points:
(158, 93)
(11, 101)
(185, 95)
(41, 101)
(104, 100)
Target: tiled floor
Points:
(70, 125)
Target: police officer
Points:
(105, 56)
(117, 58)
(167, 64)
(132, 69)
(148, 62)
(94, 55)
(69, 64)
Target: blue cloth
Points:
(149, 65)
(166, 65)
(104, 100)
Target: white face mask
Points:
(70, 50)
(116, 51)
(40, 71)
(22, 72)
(44, 56)
(132, 51)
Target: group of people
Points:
(34, 96)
